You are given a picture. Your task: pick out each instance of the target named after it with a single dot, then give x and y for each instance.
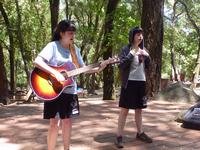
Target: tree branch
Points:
(190, 17)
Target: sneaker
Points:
(119, 142)
(143, 137)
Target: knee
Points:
(124, 111)
(66, 121)
(54, 124)
(138, 111)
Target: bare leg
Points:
(66, 132)
(121, 121)
(52, 133)
(138, 120)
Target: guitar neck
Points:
(82, 70)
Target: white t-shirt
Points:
(55, 55)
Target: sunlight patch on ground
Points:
(5, 145)
(83, 147)
(92, 101)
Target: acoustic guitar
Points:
(47, 88)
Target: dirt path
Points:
(22, 127)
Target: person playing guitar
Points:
(61, 110)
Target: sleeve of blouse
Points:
(47, 52)
(125, 59)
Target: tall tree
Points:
(152, 24)
(89, 17)
(182, 37)
(21, 40)
(108, 73)
(197, 29)
(173, 21)
(11, 49)
(54, 8)
(3, 79)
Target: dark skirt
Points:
(66, 106)
(133, 97)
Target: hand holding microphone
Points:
(141, 55)
(143, 52)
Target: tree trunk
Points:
(11, 48)
(92, 78)
(54, 8)
(152, 24)
(108, 73)
(83, 77)
(3, 79)
(174, 73)
(93, 25)
(174, 69)
(67, 9)
(21, 41)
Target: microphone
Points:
(141, 58)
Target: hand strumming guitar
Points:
(59, 76)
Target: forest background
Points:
(171, 33)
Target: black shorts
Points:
(66, 106)
(133, 97)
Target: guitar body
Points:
(45, 86)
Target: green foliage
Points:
(89, 16)
(182, 36)
(35, 26)
(125, 19)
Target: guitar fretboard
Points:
(82, 70)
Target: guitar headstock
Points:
(113, 60)
(110, 60)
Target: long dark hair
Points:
(132, 33)
(63, 26)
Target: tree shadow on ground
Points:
(23, 126)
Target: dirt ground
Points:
(22, 127)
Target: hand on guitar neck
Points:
(104, 63)
(99, 68)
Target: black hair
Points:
(63, 26)
(132, 33)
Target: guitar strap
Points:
(74, 56)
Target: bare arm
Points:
(41, 64)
